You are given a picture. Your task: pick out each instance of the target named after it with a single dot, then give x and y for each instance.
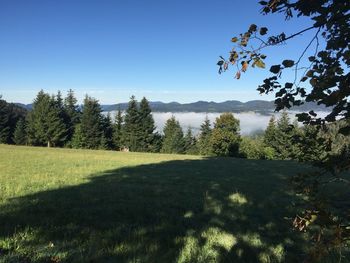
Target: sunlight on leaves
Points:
(238, 199)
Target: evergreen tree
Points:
(190, 142)
(19, 136)
(107, 132)
(157, 142)
(270, 132)
(173, 141)
(225, 138)
(117, 131)
(10, 114)
(59, 101)
(91, 123)
(78, 137)
(147, 126)
(204, 137)
(132, 128)
(72, 113)
(45, 124)
(283, 138)
(4, 121)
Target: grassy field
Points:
(61, 205)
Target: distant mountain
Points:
(259, 106)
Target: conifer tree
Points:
(91, 123)
(131, 129)
(225, 138)
(270, 132)
(107, 132)
(173, 141)
(283, 137)
(117, 131)
(147, 126)
(190, 142)
(72, 113)
(204, 137)
(4, 121)
(78, 137)
(45, 124)
(19, 136)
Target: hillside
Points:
(62, 205)
(260, 106)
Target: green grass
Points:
(61, 205)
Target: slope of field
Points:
(61, 205)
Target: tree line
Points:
(60, 122)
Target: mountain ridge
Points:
(259, 106)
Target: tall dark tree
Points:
(20, 136)
(204, 137)
(91, 123)
(107, 132)
(9, 116)
(270, 132)
(173, 141)
(45, 124)
(225, 137)
(77, 141)
(190, 142)
(283, 139)
(117, 130)
(4, 121)
(147, 126)
(72, 113)
(132, 127)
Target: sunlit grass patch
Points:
(237, 198)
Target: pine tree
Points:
(77, 138)
(4, 121)
(19, 136)
(204, 137)
(270, 132)
(147, 126)
(72, 113)
(117, 131)
(10, 114)
(132, 128)
(190, 142)
(173, 141)
(225, 138)
(45, 124)
(283, 138)
(107, 132)
(91, 123)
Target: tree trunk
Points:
(48, 144)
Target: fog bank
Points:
(250, 122)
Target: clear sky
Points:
(165, 50)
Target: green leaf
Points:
(259, 63)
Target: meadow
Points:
(63, 205)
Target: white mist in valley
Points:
(250, 122)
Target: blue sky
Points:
(164, 50)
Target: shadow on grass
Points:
(209, 210)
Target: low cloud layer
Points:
(250, 122)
